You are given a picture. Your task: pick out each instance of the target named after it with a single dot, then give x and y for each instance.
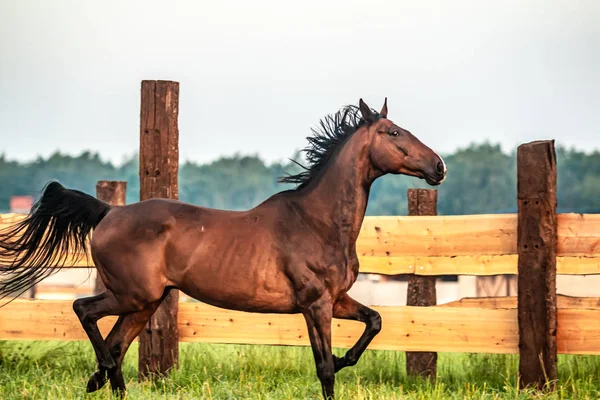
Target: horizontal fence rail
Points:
(470, 325)
(456, 245)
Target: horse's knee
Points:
(375, 322)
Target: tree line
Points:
(481, 179)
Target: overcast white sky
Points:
(256, 75)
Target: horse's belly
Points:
(265, 290)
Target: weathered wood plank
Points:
(460, 265)
(421, 289)
(470, 265)
(537, 245)
(405, 328)
(462, 235)
(578, 245)
(578, 331)
(159, 166)
(44, 320)
(444, 265)
(438, 236)
(578, 235)
(578, 265)
(563, 302)
(437, 328)
(9, 219)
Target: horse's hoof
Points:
(97, 380)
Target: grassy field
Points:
(59, 370)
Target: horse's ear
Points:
(384, 109)
(366, 112)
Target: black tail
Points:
(39, 245)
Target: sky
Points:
(255, 76)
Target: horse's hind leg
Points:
(118, 341)
(99, 378)
(89, 310)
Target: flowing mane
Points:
(334, 130)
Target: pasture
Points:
(59, 370)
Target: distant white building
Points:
(21, 204)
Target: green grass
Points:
(59, 370)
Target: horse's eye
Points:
(394, 133)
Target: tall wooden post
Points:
(115, 194)
(159, 164)
(536, 241)
(421, 289)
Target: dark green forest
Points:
(481, 179)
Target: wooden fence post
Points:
(421, 289)
(159, 165)
(536, 241)
(115, 194)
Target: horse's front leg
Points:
(318, 322)
(348, 308)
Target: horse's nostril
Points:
(439, 168)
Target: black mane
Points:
(334, 131)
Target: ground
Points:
(59, 370)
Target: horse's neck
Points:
(338, 198)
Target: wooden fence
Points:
(481, 245)
(535, 243)
(476, 325)
(424, 245)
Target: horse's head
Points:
(395, 150)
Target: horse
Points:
(294, 253)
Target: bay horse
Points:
(293, 253)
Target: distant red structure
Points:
(21, 204)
